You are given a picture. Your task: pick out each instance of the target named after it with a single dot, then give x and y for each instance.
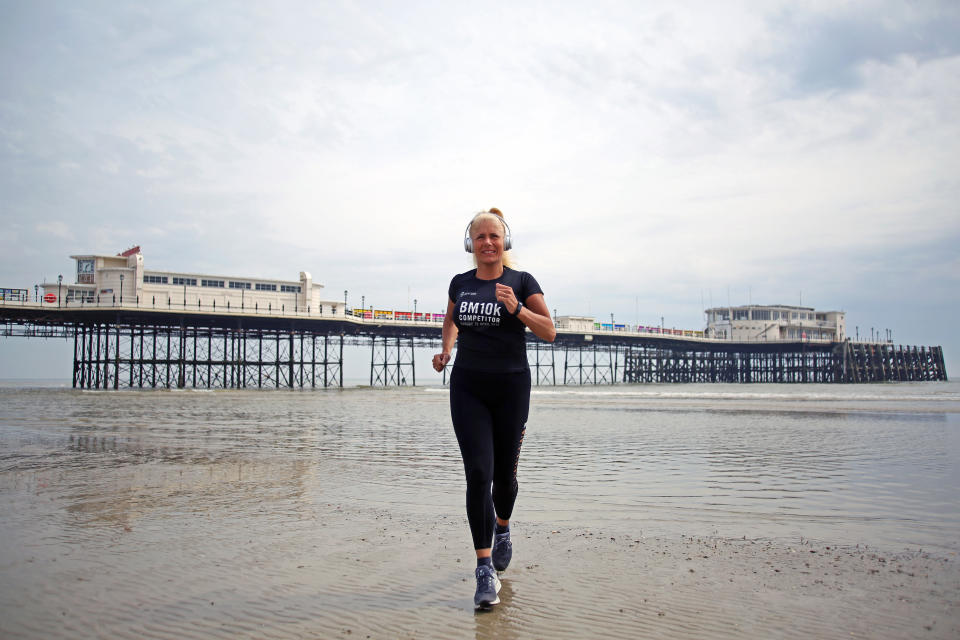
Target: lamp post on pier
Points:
(121, 289)
(59, 282)
(363, 308)
(36, 293)
(414, 309)
(344, 303)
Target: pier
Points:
(123, 346)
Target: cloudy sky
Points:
(652, 158)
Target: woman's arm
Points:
(448, 339)
(536, 315)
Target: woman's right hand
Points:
(440, 360)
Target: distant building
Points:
(758, 323)
(106, 280)
(575, 323)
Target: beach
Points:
(661, 511)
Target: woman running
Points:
(489, 309)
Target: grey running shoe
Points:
(488, 586)
(502, 551)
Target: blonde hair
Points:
(491, 215)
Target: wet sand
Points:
(201, 557)
(315, 516)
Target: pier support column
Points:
(542, 365)
(77, 344)
(392, 361)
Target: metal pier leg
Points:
(326, 361)
(300, 381)
(209, 356)
(167, 361)
(83, 355)
(182, 353)
(553, 365)
(290, 366)
(88, 358)
(193, 363)
(242, 357)
(399, 376)
(227, 364)
(116, 361)
(580, 378)
(313, 360)
(536, 363)
(106, 356)
(75, 370)
(133, 341)
(96, 365)
(594, 363)
(614, 357)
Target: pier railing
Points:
(308, 313)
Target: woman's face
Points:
(488, 242)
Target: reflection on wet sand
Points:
(185, 515)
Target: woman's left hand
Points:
(440, 360)
(507, 297)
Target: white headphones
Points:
(468, 241)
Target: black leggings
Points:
(489, 413)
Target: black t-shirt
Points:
(490, 339)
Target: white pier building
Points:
(108, 280)
(760, 323)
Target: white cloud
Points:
(54, 228)
(636, 148)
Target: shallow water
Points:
(193, 513)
